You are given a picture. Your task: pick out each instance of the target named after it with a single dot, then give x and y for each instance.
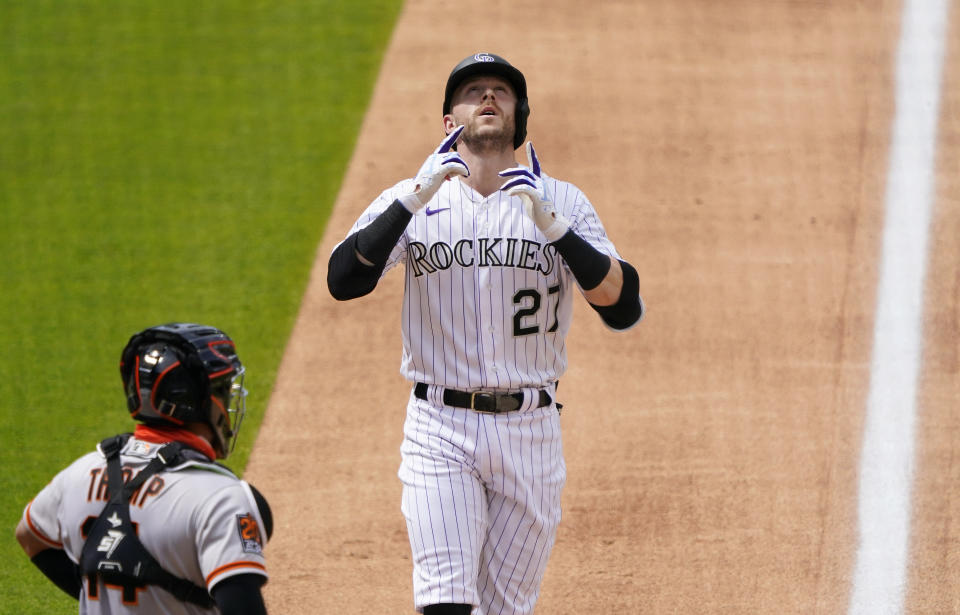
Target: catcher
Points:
(149, 523)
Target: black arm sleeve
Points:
(628, 310)
(347, 276)
(57, 567)
(240, 595)
(588, 265)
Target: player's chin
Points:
(487, 136)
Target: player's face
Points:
(485, 106)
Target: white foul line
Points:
(886, 464)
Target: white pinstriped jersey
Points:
(200, 522)
(488, 302)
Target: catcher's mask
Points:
(490, 64)
(183, 373)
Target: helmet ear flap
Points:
(164, 379)
(522, 113)
(180, 395)
(196, 373)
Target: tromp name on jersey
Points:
(488, 252)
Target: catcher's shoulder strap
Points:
(112, 549)
(111, 447)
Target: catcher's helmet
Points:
(490, 64)
(184, 373)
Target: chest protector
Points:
(113, 552)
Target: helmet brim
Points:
(465, 71)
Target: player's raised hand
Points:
(527, 184)
(442, 164)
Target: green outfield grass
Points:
(160, 160)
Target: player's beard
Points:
(483, 140)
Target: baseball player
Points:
(149, 523)
(492, 252)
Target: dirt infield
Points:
(737, 154)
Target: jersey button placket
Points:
(486, 299)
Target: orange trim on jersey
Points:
(26, 516)
(233, 566)
(162, 435)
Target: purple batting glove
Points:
(528, 185)
(441, 165)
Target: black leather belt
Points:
(480, 401)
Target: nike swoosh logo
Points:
(430, 212)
